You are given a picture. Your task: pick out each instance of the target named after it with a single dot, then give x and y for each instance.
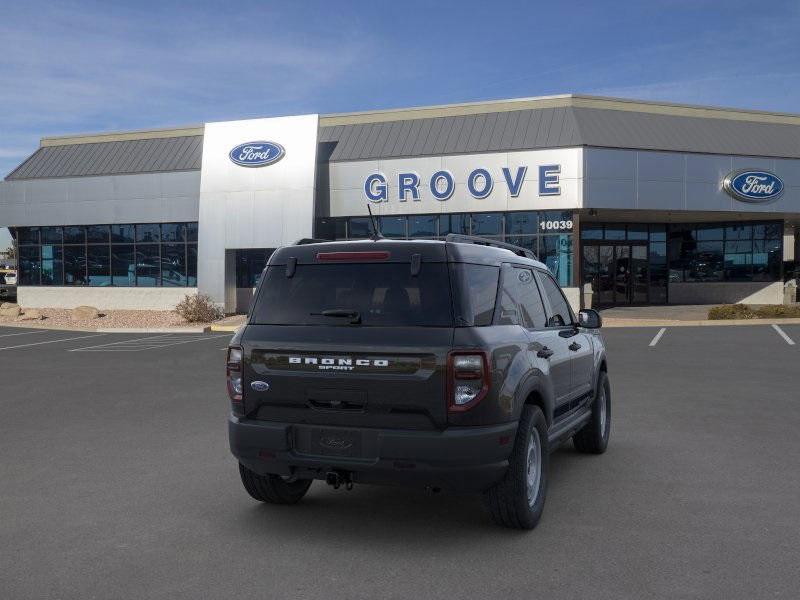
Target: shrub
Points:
(198, 308)
(731, 311)
(746, 311)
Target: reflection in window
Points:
(173, 265)
(74, 265)
(106, 255)
(148, 265)
(123, 265)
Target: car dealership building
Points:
(649, 203)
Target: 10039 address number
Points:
(556, 225)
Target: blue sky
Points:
(74, 67)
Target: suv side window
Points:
(520, 301)
(560, 312)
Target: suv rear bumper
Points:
(458, 458)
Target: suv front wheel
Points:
(518, 500)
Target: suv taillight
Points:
(467, 379)
(234, 376)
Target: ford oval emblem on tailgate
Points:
(260, 386)
(335, 443)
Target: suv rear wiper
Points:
(353, 315)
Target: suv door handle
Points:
(574, 346)
(545, 352)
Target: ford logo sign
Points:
(753, 186)
(257, 154)
(260, 386)
(335, 443)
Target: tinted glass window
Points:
(487, 224)
(384, 295)
(522, 223)
(173, 232)
(123, 266)
(191, 232)
(360, 227)
(173, 265)
(393, 227)
(52, 265)
(74, 265)
(520, 302)
(560, 313)
(51, 235)
(29, 264)
(97, 234)
(191, 265)
(74, 235)
(99, 264)
(122, 234)
(148, 263)
(453, 224)
(148, 233)
(28, 235)
(475, 289)
(422, 226)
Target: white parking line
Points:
(151, 343)
(83, 337)
(25, 333)
(782, 333)
(658, 336)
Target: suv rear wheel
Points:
(593, 438)
(273, 489)
(518, 500)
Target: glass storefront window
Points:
(614, 231)
(148, 265)
(487, 224)
(106, 255)
(555, 251)
(591, 231)
(173, 265)
(51, 235)
(522, 223)
(173, 232)
(123, 265)
(97, 234)
(74, 235)
(393, 227)
(423, 226)
(148, 233)
(637, 232)
(359, 227)
(98, 260)
(74, 265)
(52, 265)
(458, 223)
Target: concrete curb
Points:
(721, 323)
(153, 330)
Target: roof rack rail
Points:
(481, 241)
(304, 241)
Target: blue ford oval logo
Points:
(753, 186)
(260, 386)
(257, 154)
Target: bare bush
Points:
(198, 308)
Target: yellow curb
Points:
(225, 328)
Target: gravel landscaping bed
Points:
(55, 318)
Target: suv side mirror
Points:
(590, 319)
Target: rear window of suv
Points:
(383, 295)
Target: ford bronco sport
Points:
(454, 364)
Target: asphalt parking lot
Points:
(116, 482)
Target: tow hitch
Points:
(337, 479)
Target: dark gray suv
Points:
(453, 364)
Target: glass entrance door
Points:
(618, 272)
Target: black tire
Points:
(273, 488)
(509, 502)
(593, 437)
